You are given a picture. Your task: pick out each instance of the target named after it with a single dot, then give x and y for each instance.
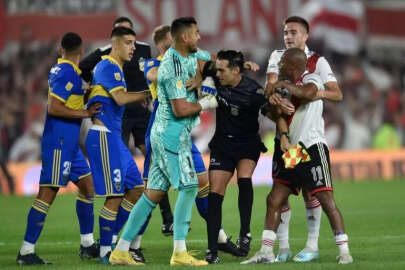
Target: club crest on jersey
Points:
(117, 76)
(179, 84)
(234, 111)
(68, 86)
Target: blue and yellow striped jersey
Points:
(65, 84)
(107, 78)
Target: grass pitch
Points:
(373, 212)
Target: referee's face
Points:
(225, 74)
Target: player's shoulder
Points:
(251, 85)
(63, 70)
(311, 77)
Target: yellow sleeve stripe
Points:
(58, 97)
(117, 88)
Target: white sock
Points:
(114, 239)
(179, 245)
(123, 245)
(222, 236)
(342, 242)
(86, 240)
(268, 239)
(314, 214)
(27, 248)
(136, 243)
(283, 228)
(104, 250)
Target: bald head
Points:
(292, 63)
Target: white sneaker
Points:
(306, 255)
(260, 257)
(344, 259)
(283, 255)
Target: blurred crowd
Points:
(372, 114)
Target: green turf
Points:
(373, 211)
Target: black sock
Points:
(214, 220)
(245, 202)
(165, 210)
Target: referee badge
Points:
(234, 111)
(117, 76)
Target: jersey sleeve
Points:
(203, 55)
(324, 70)
(313, 78)
(258, 98)
(272, 66)
(111, 78)
(62, 84)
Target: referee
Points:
(236, 144)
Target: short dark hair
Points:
(180, 24)
(160, 32)
(297, 19)
(122, 31)
(234, 58)
(70, 42)
(122, 19)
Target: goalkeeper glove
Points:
(208, 87)
(208, 102)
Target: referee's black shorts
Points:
(226, 152)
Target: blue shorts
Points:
(113, 167)
(62, 164)
(195, 153)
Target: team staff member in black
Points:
(236, 144)
(136, 116)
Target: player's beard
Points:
(192, 49)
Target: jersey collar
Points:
(76, 68)
(112, 60)
(306, 50)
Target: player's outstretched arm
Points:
(57, 108)
(121, 97)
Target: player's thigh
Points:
(80, 174)
(315, 174)
(130, 172)
(105, 162)
(56, 165)
(199, 166)
(159, 174)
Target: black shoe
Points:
(212, 258)
(137, 255)
(230, 248)
(30, 259)
(90, 252)
(243, 244)
(167, 229)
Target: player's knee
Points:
(47, 194)
(86, 187)
(327, 202)
(189, 192)
(202, 180)
(133, 195)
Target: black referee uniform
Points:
(236, 137)
(136, 116)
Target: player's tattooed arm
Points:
(307, 91)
